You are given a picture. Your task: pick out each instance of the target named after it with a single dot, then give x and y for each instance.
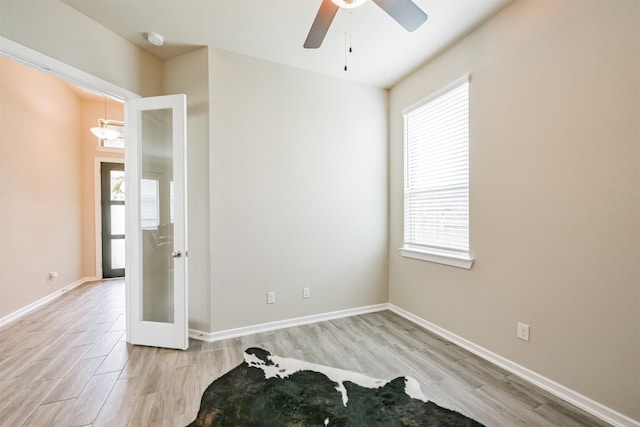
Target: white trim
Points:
(52, 66)
(591, 406)
(42, 301)
(440, 258)
(282, 324)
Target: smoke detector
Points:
(155, 39)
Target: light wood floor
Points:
(67, 364)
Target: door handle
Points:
(176, 254)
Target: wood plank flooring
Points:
(67, 364)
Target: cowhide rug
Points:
(267, 390)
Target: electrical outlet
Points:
(271, 297)
(53, 275)
(523, 331)
(306, 292)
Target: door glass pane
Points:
(117, 253)
(117, 185)
(155, 218)
(117, 219)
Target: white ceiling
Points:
(274, 30)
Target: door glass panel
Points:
(117, 253)
(117, 219)
(117, 186)
(155, 217)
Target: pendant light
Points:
(104, 132)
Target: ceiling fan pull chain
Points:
(345, 48)
(350, 50)
(347, 40)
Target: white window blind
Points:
(436, 193)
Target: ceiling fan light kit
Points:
(348, 4)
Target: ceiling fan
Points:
(405, 12)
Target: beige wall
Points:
(189, 74)
(554, 119)
(62, 33)
(298, 192)
(40, 194)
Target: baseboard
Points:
(606, 414)
(29, 308)
(272, 326)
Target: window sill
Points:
(437, 257)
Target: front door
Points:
(113, 215)
(156, 222)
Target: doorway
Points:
(167, 334)
(112, 189)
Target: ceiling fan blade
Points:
(321, 24)
(405, 12)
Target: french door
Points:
(156, 222)
(113, 219)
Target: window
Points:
(436, 188)
(116, 143)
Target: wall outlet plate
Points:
(306, 292)
(271, 297)
(523, 331)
